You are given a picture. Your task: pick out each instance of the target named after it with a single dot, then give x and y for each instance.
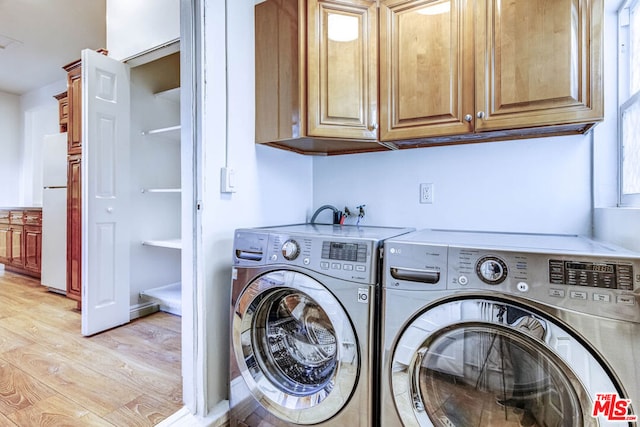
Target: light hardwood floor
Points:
(50, 375)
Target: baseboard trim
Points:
(143, 309)
(217, 417)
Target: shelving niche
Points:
(155, 184)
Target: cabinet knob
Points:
(480, 114)
(373, 127)
(109, 209)
(468, 118)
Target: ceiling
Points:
(38, 37)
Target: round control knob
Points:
(491, 270)
(290, 250)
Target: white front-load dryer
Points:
(303, 325)
(502, 329)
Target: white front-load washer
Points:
(303, 325)
(505, 329)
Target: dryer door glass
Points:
(506, 378)
(483, 361)
(295, 346)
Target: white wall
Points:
(128, 35)
(617, 225)
(605, 147)
(155, 163)
(274, 186)
(39, 117)
(539, 185)
(10, 149)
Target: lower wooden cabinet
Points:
(21, 240)
(74, 228)
(33, 248)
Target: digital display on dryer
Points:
(593, 274)
(344, 251)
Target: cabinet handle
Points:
(468, 118)
(480, 114)
(373, 127)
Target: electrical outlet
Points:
(426, 193)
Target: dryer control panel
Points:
(610, 275)
(605, 285)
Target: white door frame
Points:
(194, 357)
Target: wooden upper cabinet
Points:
(538, 63)
(426, 68)
(448, 71)
(342, 69)
(316, 92)
(74, 97)
(280, 97)
(63, 110)
(537, 69)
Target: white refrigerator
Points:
(54, 213)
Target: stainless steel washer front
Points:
(303, 323)
(295, 346)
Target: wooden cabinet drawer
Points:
(4, 217)
(33, 217)
(16, 217)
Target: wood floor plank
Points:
(57, 411)
(165, 320)
(10, 340)
(163, 359)
(150, 370)
(150, 335)
(55, 376)
(19, 390)
(6, 422)
(141, 412)
(96, 392)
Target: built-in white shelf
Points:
(169, 243)
(172, 132)
(161, 190)
(172, 95)
(169, 297)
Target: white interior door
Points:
(105, 178)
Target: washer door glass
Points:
(295, 347)
(482, 362)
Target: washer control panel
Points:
(344, 258)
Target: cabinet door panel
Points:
(342, 69)
(279, 71)
(74, 125)
(17, 255)
(32, 248)
(538, 62)
(426, 73)
(74, 227)
(5, 243)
